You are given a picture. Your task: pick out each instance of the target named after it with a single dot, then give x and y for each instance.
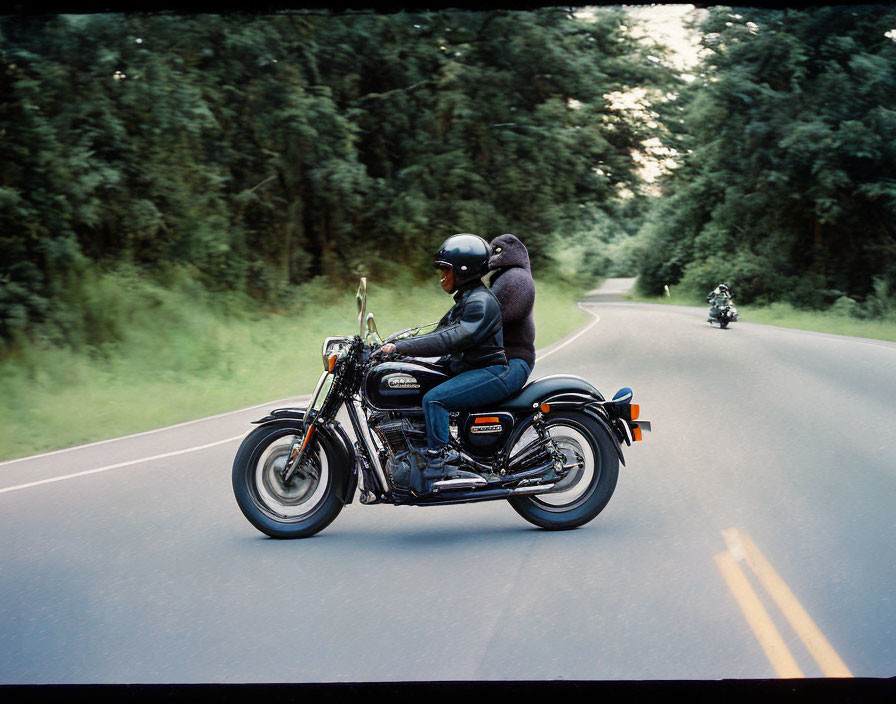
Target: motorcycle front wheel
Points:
(588, 486)
(305, 506)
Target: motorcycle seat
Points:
(538, 390)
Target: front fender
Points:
(334, 433)
(282, 414)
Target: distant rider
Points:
(720, 296)
(511, 282)
(471, 338)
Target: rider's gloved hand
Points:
(385, 350)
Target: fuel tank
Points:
(399, 386)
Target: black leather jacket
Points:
(469, 334)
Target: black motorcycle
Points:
(724, 313)
(552, 449)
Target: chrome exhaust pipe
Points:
(536, 489)
(454, 484)
(472, 483)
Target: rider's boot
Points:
(443, 463)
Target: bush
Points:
(878, 304)
(845, 306)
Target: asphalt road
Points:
(751, 533)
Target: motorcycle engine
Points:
(401, 438)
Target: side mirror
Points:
(362, 304)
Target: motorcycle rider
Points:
(720, 296)
(511, 282)
(471, 339)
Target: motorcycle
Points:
(552, 449)
(727, 313)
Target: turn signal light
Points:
(635, 411)
(545, 408)
(331, 362)
(636, 433)
(487, 419)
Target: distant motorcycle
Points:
(552, 449)
(725, 313)
(722, 310)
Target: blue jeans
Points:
(519, 373)
(477, 387)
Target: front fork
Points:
(296, 453)
(376, 485)
(296, 450)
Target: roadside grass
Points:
(185, 360)
(674, 299)
(786, 316)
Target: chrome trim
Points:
(532, 489)
(369, 443)
(629, 438)
(562, 396)
(450, 484)
(337, 340)
(644, 425)
(362, 304)
(316, 393)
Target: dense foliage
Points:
(261, 151)
(251, 154)
(787, 186)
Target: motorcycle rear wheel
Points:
(585, 491)
(308, 504)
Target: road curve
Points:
(770, 463)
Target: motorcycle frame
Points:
(364, 459)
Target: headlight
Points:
(334, 347)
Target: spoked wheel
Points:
(592, 470)
(306, 504)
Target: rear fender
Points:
(334, 433)
(602, 421)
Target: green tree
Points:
(787, 185)
(257, 152)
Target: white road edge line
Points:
(150, 432)
(574, 337)
(120, 464)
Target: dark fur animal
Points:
(513, 286)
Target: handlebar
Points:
(376, 355)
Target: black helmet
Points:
(466, 255)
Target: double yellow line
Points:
(741, 548)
